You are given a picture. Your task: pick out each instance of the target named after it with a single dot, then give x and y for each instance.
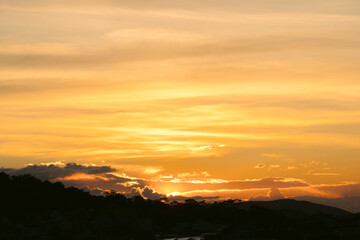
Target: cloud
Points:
(55, 171)
(95, 179)
(321, 171)
(150, 193)
(146, 192)
(273, 166)
(133, 192)
(106, 182)
(99, 179)
(137, 169)
(292, 168)
(94, 191)
(345, 189)
(260, 165)
(196, 185)
(209, 184)
(274, 194)
(193, 175)
(325, 174)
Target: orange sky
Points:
(195, 97)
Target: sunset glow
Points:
(212, 99)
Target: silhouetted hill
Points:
(349, 203)
(33, 209)
(294, 205)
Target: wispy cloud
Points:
(260, 165)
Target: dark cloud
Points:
(146, 192)
(53, 172)
(94, 191)
(260, 165)
(150, 193)
(97, 179)
(109, 181)
(133, 192)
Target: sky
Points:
(214, 99)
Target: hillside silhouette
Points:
(35, 209)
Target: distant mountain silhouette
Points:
(294, 205)
(33, 209)
(349, 203)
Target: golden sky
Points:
(216, 97)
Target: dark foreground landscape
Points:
(33, 209)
